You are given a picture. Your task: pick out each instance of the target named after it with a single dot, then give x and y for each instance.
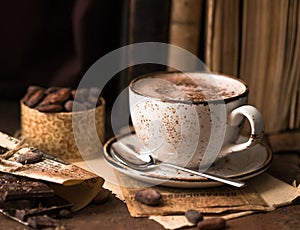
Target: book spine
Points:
(185, 27)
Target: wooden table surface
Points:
(114, 215)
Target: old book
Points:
(222, 36)
(258, 42)
(272, 71)
(185, 27)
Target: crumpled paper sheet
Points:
(274, 192)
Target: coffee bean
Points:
(102, 196)
(52, 89)
(29, 158)
(81, 95)
(73, 93)
(33, 88)
(193, 216)
(48, 99)
(65, 213)
(61, 95)
(30, 91)
(78, 96)
(78, 106)
(51, 108)
(148, 196)
(92, 99)
(212, 224)
(95, 91)
(34, 98)
(88, 105)
(84, 92)
(69, 105)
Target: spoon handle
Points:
(222, 179)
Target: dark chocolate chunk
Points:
(31, 201)
(18, 204)
(3, 150)
(14, 188)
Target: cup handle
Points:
(256, 123)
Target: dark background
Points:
(54, 42)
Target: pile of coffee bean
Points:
(61, 99)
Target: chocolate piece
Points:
(50, 206)
(14, 188)
(31, 201)
(29, 158)
(18, 204)
(3, 150)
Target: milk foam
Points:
(192, 87)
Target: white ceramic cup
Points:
(192, 119)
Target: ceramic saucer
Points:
(242, 165)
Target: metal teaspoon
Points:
(128, 155)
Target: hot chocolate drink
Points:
(188, 87)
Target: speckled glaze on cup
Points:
(193, 132)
